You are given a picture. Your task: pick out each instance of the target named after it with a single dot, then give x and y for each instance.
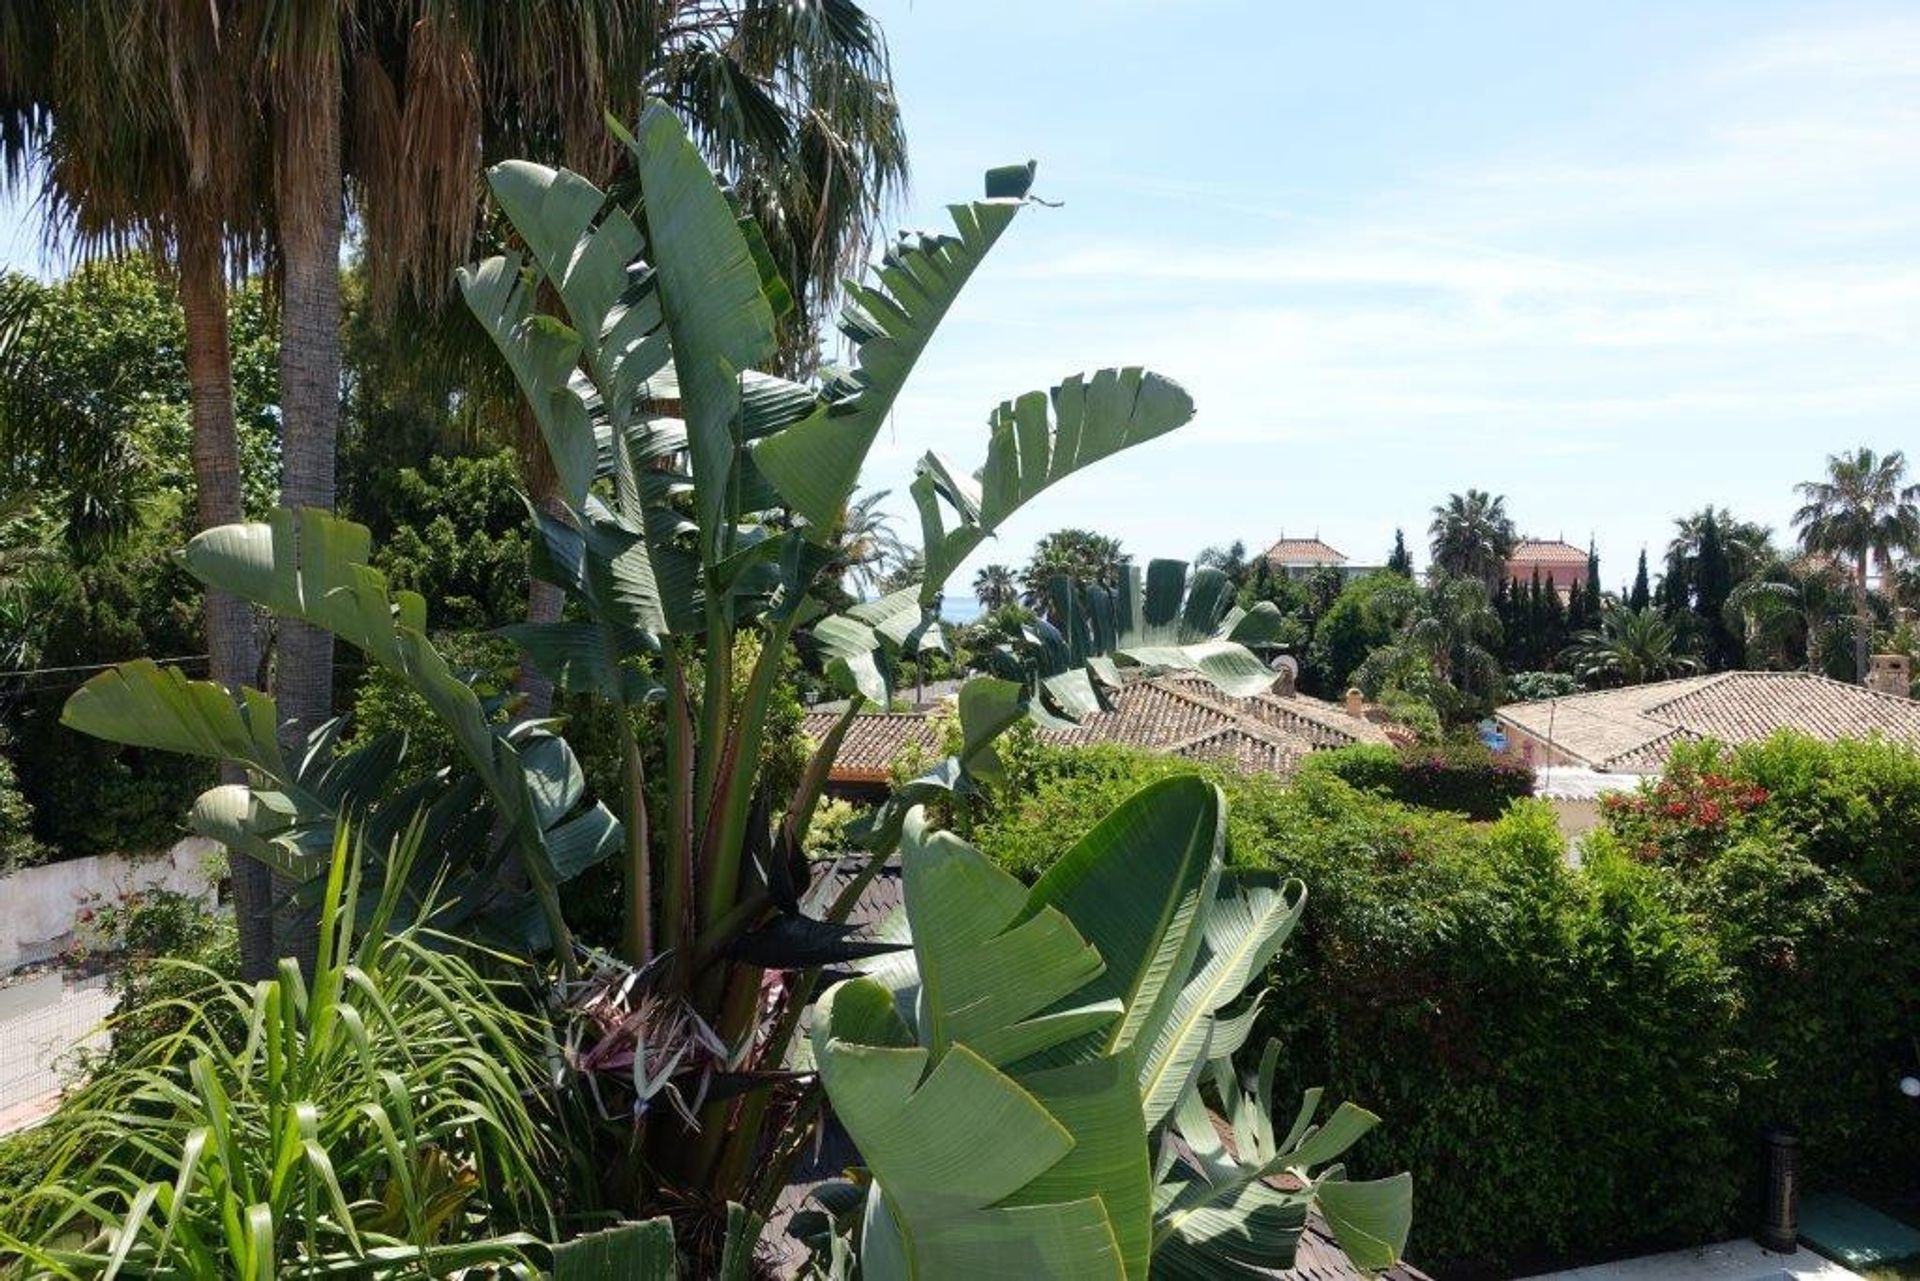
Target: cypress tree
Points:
(1401, 560)
(1641, 596)
(1590, 616)
(1553, 623)
(1576, 607)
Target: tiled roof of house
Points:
(1304, 551)
(873, 743)
(1182, 715)
(1632, 730)
(1535, 551)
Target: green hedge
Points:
(1803, 859)
(1463, 777)
(1577, 1060)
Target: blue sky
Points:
(1614, 261)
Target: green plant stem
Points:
(813, 780)
(775, 1169)
(733, 801)
(716, 707)
(639, 923)
(676, 894)
(737, 1009)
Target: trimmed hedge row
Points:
(1463, 777)
(1577, 1060)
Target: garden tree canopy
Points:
(701, 503)
(1080, 555)
(1630, 647)
(1440, 649)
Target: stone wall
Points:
(40, 906)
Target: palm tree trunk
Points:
(307, 188)
(233, 654)
(1863, 625)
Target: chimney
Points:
(1356, 705)
(1285, 674)
(1891, 674)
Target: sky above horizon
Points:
(1615, 263)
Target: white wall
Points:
(39, 905)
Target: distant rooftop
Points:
(1547, 551)
(1179, 714)
(1304, 551)
(1633, 730)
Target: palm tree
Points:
(1630, 647)
(1866, 512)
(995, 587)
(1794, 611)
(1079, 555)
(867, 546)
(135, 122)
(1443, 640)
(791, 100)
(1473, 536)
(1230, 560)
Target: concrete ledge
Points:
(1726, 1261)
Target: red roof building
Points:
(1559, 564)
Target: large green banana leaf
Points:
(1054, 1157)
(1035, 441)
(816, 463)
(1094, 1001)
(1246, 924)
(314, 566)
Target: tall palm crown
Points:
(1866, 512)
(995, 587)
(868, 547)
(1473, 536)
(1630, 647)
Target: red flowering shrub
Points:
(1684, 816)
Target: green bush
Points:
(1552, 1047)
(1803, 860)
(171, 947)
(1463, 777)
(89, 797)
(18, 846)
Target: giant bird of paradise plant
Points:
(699, 500)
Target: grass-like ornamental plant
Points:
(382, 1118)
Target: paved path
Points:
(1728, 1261)
(42, 1021)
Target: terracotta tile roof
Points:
(1632, 730)
(1304, 551)
(1535, 551)
(873, 742)
(1182, 715)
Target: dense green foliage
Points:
(1578, 1059)
(87, 797)
(1463, 777)
(1803, 859)
(18, 845)
(169, 947)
